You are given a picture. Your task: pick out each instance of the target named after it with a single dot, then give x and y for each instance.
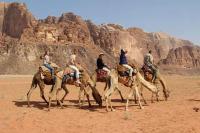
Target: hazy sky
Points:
(179, 18)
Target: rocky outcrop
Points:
(68, 28)
(26, 38)
(185, 57)
(16, 19)
(3, 8)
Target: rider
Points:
(124, 62)
(148, 61)
(101, 65)
(72, 65)
(47, 63)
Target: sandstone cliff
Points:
(24, 39)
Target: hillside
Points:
(24, 39)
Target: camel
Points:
(159, 80)
(138, 80)
(105, 80)
(86, 82)
(38, 80)
(41, 82)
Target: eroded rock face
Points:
(16, 19)
(185, 56)
(26, 38)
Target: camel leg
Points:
(158, 92)
(135, 97)
(130, 94)
(88, 99)
(41, 86)
(138, 96)
(145, 102)
(105, 87)
(80, 101)
(106, 100)
(141, 93)
(104, 91)
(57, 98)
(54, 90)
(66, 92)
(152, 98)
(120, 93)
(107, 97)
(29, 95)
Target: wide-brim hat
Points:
(101, 54)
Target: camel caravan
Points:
(129, 75)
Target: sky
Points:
(179, 18)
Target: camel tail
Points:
(146, 84)
(96, 96)
(34, 82)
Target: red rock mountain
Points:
(23, 39)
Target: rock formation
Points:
(24, 39)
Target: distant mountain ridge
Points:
(21, 31)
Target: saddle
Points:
(70, 75)
(123, 71)
(146, 68)
(46, 72)
(101, 74)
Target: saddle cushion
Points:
(101, 73)
(53, 65)
(67, 71)
(123, 71)
(146, 68)
(121, 68)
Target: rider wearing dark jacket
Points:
(100, 63)
(123, 59)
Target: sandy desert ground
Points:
(174, 116)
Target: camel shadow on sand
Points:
(67, 104)
(72, 104)
(194, 100)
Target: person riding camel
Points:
(101, 65)
(73, 66)
(149, 62)
(124, 62)
(47, 63)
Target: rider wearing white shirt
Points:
(72, 65)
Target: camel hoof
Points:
(113, 110)
(141, 107)
(126, 109)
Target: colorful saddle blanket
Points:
(123, 71)
(101, 73)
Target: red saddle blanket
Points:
(101, 73)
